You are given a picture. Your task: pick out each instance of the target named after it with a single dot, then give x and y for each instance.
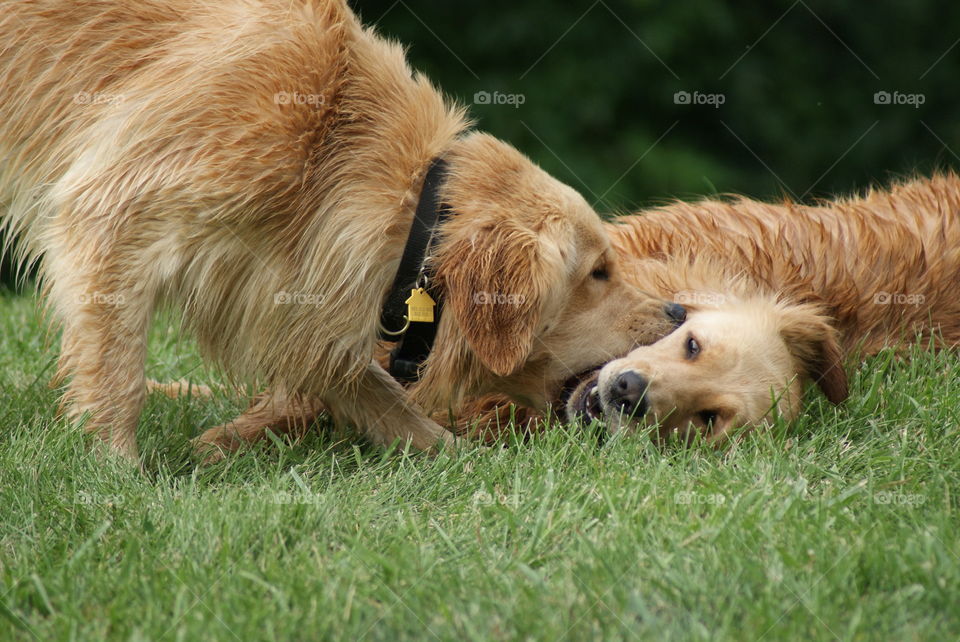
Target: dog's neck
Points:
(413, 304)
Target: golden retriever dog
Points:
(258, 165)
(776, 293)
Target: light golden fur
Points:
(734, 365)
(214, 156)
(785, 291)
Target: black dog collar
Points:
(415, 338)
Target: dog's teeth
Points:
(592, 403)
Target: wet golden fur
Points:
(847, 255)
(146, 160)
(818, 274)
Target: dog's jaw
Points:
(583, 400)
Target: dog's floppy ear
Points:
(812, 340)
(491, 285)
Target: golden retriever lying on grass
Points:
(258, 166)
(776, 295)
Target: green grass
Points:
(842, 525)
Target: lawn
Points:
(842, 525)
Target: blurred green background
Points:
(598, 78)
(798, 80)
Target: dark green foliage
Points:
(800, 97)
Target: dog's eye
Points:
(708, 417)
(693, 347)
(600, 274)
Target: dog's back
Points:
(885, 264)
(127, 95)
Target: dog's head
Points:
(532, 287)
(725, 368)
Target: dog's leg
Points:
(383, 408)
(103, 351)
(270, 411)
(375, 401)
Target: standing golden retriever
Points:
(776, 294)
(258, 165)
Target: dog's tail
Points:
(183, 388)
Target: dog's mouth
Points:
(580, 399)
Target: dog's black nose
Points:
(676, 312)
(629, 392)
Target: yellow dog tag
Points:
(420, 306)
